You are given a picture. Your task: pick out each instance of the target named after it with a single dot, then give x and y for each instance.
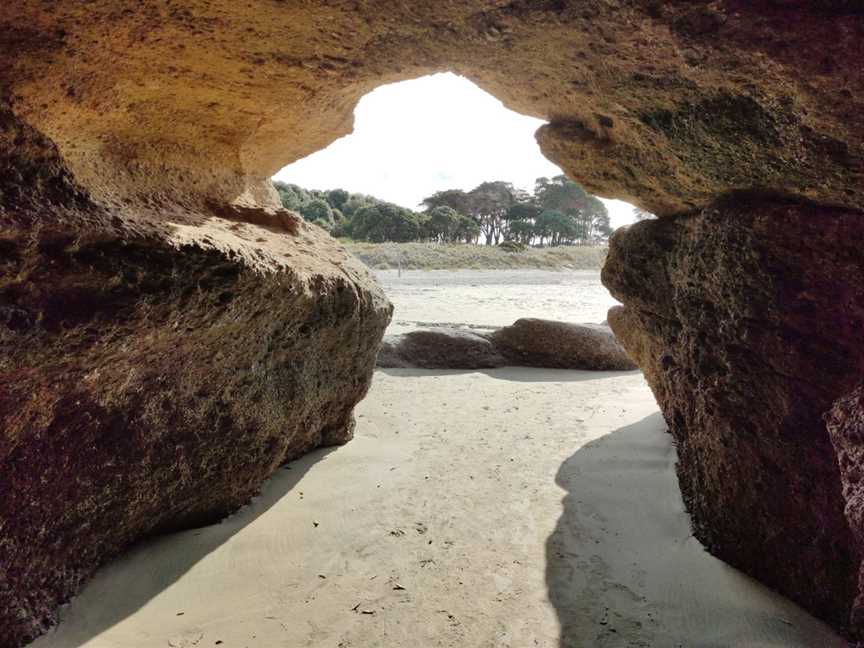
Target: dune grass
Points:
(434, 256)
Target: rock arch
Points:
(150, 287)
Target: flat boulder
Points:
(445, 348)
(526, 342)
(561, 345)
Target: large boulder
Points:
(561, 345)
(526, 342)
(443, 348)
(151, 379)
(148, 384)
(746, 318)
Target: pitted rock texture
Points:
(139, 136)
(746, 318)
(526, 342)
(560, 345)
(846, 425)
(152, 379)
(445, 348)
(665, 104)
(146, 387)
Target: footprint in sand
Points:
(186, 641)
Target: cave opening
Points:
(441, 141)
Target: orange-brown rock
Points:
(136, 143)
(666, 104)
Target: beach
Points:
(485, 299)
(505, 508)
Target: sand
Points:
(488, 299)
(511, 508)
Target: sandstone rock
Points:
(668, 105)
(137, 138)
(527, 342)
(151, 379)
(146, 387)
(846, 425)
(746, 318)
(560, 345)
(444, 348)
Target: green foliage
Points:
(385, 222)
(490, 202)
(318, 211)
(455, 199)
(559, 212)
(337, 198)
(441, 223)
(355, 202)
(292, 196)
(467, 230)
(550, 225)
(560, 193)
(522, 231)
(524, 211)
(342, 227)
(577, 217)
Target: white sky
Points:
(437, 132)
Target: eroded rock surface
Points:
(560, 345)
(665, 104)
(527, 343)
(444, 348)
(746, 318)
(137, 138)
(151, 379)
(846, 425)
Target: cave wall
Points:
(746, 318)
(152, 290)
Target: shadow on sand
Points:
(165, 564)
(622, 568)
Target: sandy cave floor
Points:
(508, 508)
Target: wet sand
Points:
(511, 508)
(492, 298)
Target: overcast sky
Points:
(417, 137)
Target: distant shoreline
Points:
(437, 256)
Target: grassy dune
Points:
(433, 256)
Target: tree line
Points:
(558, 212)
